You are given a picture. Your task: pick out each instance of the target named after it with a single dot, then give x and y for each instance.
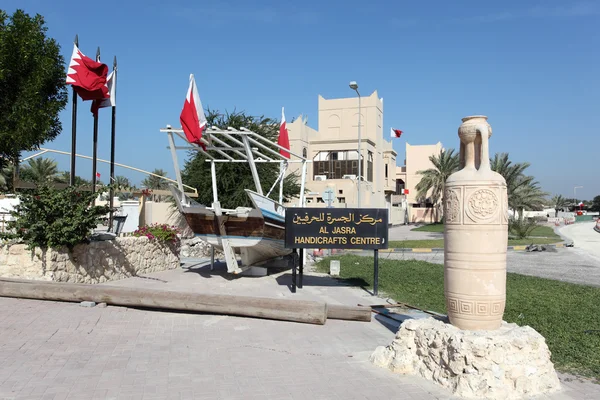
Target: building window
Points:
(370, 167)
(341, 200)
(399, 186)
(320, 200)
(335, 164)
(386, 171)
(304, 152)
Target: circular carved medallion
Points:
(482, 205)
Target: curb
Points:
(441, 250)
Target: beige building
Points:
(333, 150)
(417, 159)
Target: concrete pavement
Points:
(55, 350)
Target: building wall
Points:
(417, 159)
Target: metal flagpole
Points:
(95, 151)
(112, 142)
(74, 130)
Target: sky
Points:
(531, 66)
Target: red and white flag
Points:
(111, 101)
(192, 116)
(283, 140)
(88, 77)
(395, 133)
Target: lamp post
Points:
(354, 86)
(575, 196)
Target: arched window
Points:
(304, 152)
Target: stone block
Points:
(511, 362)
(334, 267)
(87, 304)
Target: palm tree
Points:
(40, 170)
(558, 202)
(122, 182)
(523, 191)
(434, 179)
(527, 195)
(154, 182)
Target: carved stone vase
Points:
(475, 233)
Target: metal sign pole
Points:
(376, 272)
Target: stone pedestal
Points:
(511, 362)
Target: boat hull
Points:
(255, 235)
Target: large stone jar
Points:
(475, 233)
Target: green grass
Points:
(561, 312)
(439, 243)
(430, 228)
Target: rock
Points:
(508, 363)
(87, 304)
(102, 305)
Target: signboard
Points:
(336, 228)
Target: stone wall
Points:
(95, 262)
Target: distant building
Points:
(333, 149)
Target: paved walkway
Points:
(405, 232)
(55, 350)
(584, 237)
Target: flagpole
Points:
(95, 151)
(74, 130)
(112, 143)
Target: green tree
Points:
(434, 179)
(122, 182)
(154, 182)
(6, 176)
(32, 85)
(40, 170)
(523, 191)
(596, 203)
(558, 202)
(65, 177)
(233, 178)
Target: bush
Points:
(49, 217)
(521, 228)
(160, 232)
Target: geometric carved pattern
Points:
(466, 307)
(482, 205)
(504, 206)
(452, 305)
(452, 209)
(477, 308)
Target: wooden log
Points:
(350, 313)
(310, 312)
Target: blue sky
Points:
(531, 66)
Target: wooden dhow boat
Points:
(255, 234)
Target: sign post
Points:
(336, 228)
(328, 197)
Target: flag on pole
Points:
(395, 133)
(283, 140)
(111, 101)
(192, 116)
(87, 76)
(98, 175)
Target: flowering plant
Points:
(160, 232)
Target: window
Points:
(340, 191)
(335, 164)
(320, 200)
(386, 170)
(370, 166)
(304, 153)
(341, 200)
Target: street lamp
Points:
(575, 195)
(354, 86)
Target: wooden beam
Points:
(310, 312)
(349, 313)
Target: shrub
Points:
(49, 217)
(160, 232)
(521, 228)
